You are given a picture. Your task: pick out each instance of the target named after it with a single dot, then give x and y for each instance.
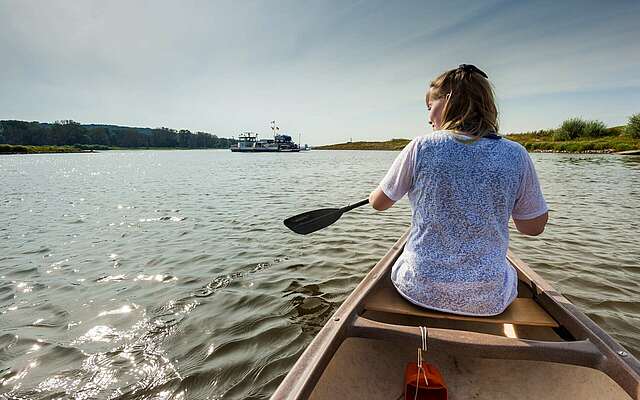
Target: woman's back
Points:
(464, 183)
(462, 193)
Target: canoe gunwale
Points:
(624, 370)
(305, 373)
(593, 348)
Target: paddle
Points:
(312, 221)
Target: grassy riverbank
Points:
(393, 144)
(542, 141)
(25, 149)
(615, 140)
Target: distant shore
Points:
(393, 144)
(27, 149)
(541, 142)
(68, 136)
(616, 141)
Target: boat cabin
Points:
(247, 140)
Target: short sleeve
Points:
(398, 180)
(530, 202)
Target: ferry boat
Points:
(248, 142)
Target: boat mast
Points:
(274, 128)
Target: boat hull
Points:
(362, 350)
(374, 369)
(263, 150)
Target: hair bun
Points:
(471, 68)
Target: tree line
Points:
(71, 133)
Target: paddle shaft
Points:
(354, 205)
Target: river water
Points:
(169, 274)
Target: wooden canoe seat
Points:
(523, 311)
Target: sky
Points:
(329, 71)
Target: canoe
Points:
(541, 347)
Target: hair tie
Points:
(471, 68)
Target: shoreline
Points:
(619, 144)
(607, 151)
(8, 149)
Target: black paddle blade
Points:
(312, 221)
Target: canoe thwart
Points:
(482, 345)
(523, 311)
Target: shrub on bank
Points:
(573, 128)
(595, 129)
(540, 133)
(561, 136)
(633, 127)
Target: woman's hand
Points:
(379, 200)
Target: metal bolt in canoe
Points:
(541, 347)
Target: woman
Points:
(464, 183)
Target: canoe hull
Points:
(368, 347)
(373, 369)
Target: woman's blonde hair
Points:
(470, 105)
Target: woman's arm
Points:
(530, 211)
(398, 180)
(379, 200)
(531, 227)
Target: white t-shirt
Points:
(462, 194)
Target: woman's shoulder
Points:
(513, 148)
(444, 136)
(513, 144)
(430, 138)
